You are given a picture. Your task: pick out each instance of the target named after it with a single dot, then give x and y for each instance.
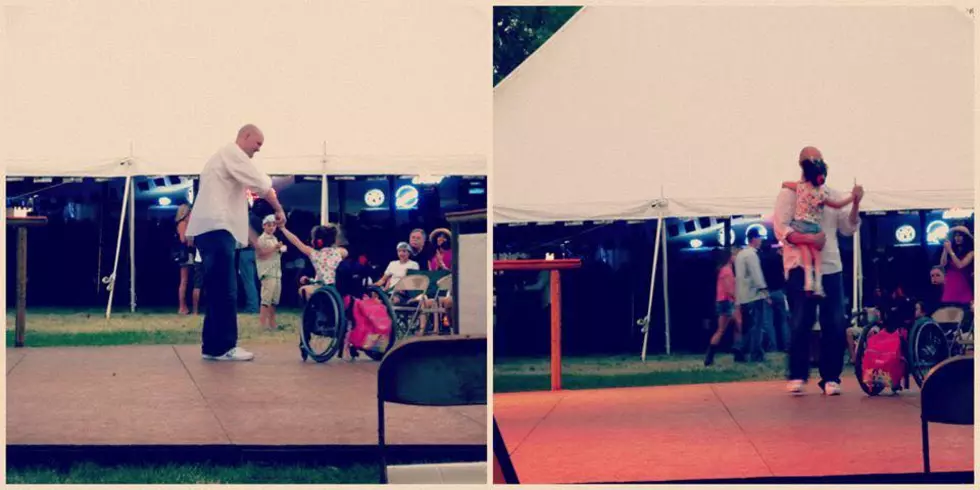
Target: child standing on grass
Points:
(268, 262)
(811, 197)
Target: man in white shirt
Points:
(803, 307)
(751, 293)
(219, 224)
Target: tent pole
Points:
(663, 236)
(132, 251)
(645, 321)
(857, 279)
(324, 216)
(115, 267)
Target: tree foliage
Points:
(520, 31)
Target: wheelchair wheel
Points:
(324, 325)
(874, 387)
(927, 347)
(376, 291)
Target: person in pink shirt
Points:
(724, 306)
(957, 260)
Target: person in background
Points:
(396, 271)
(937, 281)
(247, 262)
(198, 282)
(752, 295)
(421, 250)
(957, 260)
(724, 305)
(776, 313)
(442, 250)
(186, 267)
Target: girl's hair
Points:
(813, 170)
(437, 234)
(324, 236)
(967, 245)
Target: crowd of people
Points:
(230, 236)
(774, 299)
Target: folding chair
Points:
(947, 397)
(444, 289)
(412, 310)
(434, 372)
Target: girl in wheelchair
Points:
(326, 254)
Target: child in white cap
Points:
(268, 263)
(397, 270)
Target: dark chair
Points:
(431, 371)
(947, 397)
(503, 467)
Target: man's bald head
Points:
(250, 139)
(810, 153)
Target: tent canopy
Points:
(709, 107)
(381, 87)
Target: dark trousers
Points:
(220, 314)
(803, 314)
(752, 317)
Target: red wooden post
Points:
(555, 266)
(555, 330)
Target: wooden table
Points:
(22, 224)
(555, 266)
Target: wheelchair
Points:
(327, 319)
(948, 332)
(873, 321)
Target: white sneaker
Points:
(795, 387)
(831, 388)
(235, 354)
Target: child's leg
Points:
(272, 317)
(817, 268)
(806, 255)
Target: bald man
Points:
(803, 307)
(219, 225)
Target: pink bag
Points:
(372, 325)
(883, 364)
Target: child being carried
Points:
(811, 197)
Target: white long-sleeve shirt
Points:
(834, 221)
(221, 202)
(748, 276)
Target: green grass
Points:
(88, 473)
(59, 327)
(533, 374)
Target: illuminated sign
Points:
(721, 237)
(905, 234)
(406, 197)
(374, 198)
(936, 232)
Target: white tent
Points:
(647, 112)
(122, 88)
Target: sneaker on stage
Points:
(235, 354)
(831, 388)
(795, 387)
